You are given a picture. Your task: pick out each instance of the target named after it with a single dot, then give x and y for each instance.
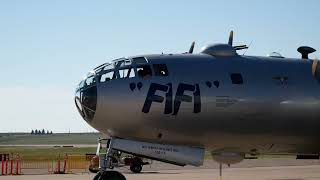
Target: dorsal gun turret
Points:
(224, 50)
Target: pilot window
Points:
(144, 71)
(126, 73)
(90, 81)
(140, 60)
(123, 73)
(236, 78)
(131, 73)
(109, 66)
(107, 76)
(160, 70)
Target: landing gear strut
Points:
(105, 163)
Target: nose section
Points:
(86, 99)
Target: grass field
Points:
(44, 153)
(19, 143)
(54, 139)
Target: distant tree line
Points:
(40, 132)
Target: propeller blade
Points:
(230, 38)
(191, 48)
(240, 47)
(314, 66)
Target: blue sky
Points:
(47, 46)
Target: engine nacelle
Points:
(226, 157)
(179, 155)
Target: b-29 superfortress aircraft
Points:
(174, 107)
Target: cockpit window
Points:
(128, 68)
(107, 76)
(109, 66)
(81, 84)
(119, 64)
(123, 73)
(144, 71)
(99, 68)
(126, 73)
(122, 62)
(89, 81)
(140, 60)
(160, 70)
(131, 73)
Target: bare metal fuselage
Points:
(274, 110)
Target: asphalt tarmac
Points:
(308, 172)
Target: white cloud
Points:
(52, 108)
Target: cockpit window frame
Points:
(101, 67)
(135, 60)
(83, 84)
(100, 76)
(110, 66)
(121, 64)
(129, 67)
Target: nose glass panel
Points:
(86, 99)
(89, 102)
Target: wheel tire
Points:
(136, 167)
(111, 175)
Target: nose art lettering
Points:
(170, 105)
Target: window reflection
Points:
(107, 76)
(126, 73)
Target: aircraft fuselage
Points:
(264, 104)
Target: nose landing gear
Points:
(106, 163)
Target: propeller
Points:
(314, 66)
(240, 47)
(191, 48)
(230, 43)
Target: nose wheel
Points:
(109, 175)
